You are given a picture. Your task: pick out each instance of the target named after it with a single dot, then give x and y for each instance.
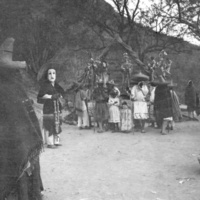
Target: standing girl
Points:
(126, 118)
(114, 113)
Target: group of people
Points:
(21, 140)
(154, 102)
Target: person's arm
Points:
(133, 93)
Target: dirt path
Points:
(117, 166)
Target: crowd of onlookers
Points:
(154, 102)
(105, 107)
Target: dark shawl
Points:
(47, 88)
(48, 108)
(20, 135)
(190, 97)
(163, 102)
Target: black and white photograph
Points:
(99, 100)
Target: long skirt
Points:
(151, 113)
(101, 112)
(140, 110)
(49, 124)
(114, 114)
(126, 122)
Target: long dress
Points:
(20, 142)
(162, 104)
(48, 108)
(114, 113)
(101, 108)
(126, 122)
(139, 104)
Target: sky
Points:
(147, 3)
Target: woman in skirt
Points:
(114, 112)
(138, 95)
(101, 113)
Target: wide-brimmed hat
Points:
(160, 81)
(6, 53)
(140, 77)
(125, 96)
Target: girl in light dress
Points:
(114, 112)
(126, 118)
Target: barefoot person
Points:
(20, 135)
(49, 94)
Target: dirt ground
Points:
(119, 166)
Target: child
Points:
(126, 118)
(114, 112)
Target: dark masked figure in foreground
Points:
(20, 135)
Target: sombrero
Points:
(124, 96)
(160, 82)
(140, 77)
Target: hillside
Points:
(68, 33)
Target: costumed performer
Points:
(49, 94)
(101, 114)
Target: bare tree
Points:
(184, 15)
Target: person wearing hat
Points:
(101, 114)
(49, 93)
(163, 105)
(140, 110)
(20, 136)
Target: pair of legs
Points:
(114, 127)
(83, 120)
(140, 125)
(166, 124)
(51, 140)
(191, 114)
